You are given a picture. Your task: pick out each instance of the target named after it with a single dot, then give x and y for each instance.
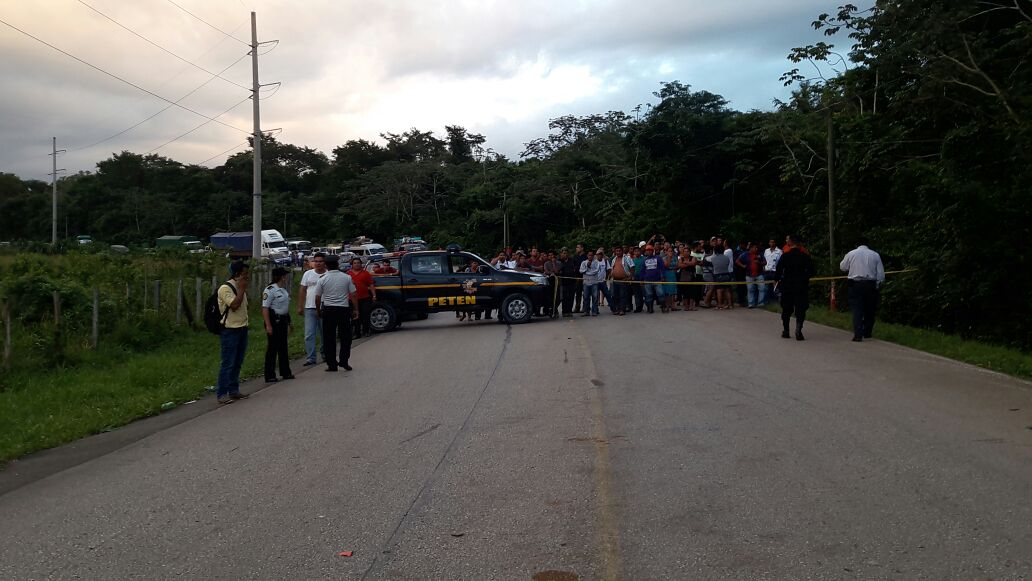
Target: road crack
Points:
(432, 477)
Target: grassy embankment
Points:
(994, 357)
(45, 408)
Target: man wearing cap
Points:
(276, 313)
(334, 301)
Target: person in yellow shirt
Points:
(233, 304)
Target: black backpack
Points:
(214, 318)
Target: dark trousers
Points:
(863, 301)
(362, 324)
(568, 289)
(277, 347)
(621, 296)
(336, 326)
(794, 302)
(638, 292)
(741, 291)
(578, 292)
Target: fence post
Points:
(7, 337)
(95, 334)
(157, 295)
(179, 302)
(57, 321)
(197, 298)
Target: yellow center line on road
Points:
(608, 531)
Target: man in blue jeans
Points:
(233, 305)
(594, 271)
(651, 275)
(306, 306)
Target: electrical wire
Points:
(237, 146)
(118, 78)
(210, 25)
(203, 123)
(152, 43)
(166, 108)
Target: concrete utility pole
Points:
(831, 204)
(53, 215)
(256, 206)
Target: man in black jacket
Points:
(794, 272)
(568, 268)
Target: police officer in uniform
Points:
(276, 312)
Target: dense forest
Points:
(925, 108)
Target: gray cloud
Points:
(353, 69)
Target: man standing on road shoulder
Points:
(794, 272)
(306, 306)
(276, 315)
(334, 300)
(771, 256)
(233, 338)
(866, 274)
(364, 295)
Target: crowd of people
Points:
(335, 299)
(701, 274)
(633, 279)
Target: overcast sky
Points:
(356, 68)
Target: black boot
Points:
(799, 333)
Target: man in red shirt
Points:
(365, 294)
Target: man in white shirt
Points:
(334, 301)
(306, 306)
(866, 273)
(771, 256)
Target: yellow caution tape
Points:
(730, 282)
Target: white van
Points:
(365, 247)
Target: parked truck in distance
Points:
(238, 245)
(190, 243)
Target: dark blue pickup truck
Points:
(452, 280)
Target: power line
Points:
(118, 78)
(152, 43)
(210, 25)
(177, 138)
(236, 147)
(166, 108)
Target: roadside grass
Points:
(995, 357)
(44, 408)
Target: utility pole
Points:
(256, 204)
(831, 204)
(53, 215)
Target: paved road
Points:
(680, 446)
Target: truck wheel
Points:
(516, 308)
(382, 318)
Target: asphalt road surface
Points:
(668, 446)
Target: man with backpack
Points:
(232, 303)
